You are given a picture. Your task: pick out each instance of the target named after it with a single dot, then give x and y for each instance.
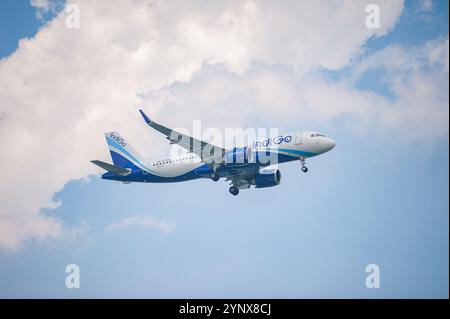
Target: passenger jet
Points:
(243, 166)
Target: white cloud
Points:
(416, 76)
(162, 225)
(396, 59)
(426, 5)
(17, 226)
(44, 7)
(41, 4)
(63, 88)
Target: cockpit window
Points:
(317, 135)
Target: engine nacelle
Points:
(267, 178)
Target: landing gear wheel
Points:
(304, 168)
(215, 177)
(234, 190)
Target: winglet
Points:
(146, 119)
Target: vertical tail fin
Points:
(122, 153)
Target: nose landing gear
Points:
(304, 168)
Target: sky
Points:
(379, 197)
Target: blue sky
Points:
(375, 198)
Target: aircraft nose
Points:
(329, 144)
(332, 143)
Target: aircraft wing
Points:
(207, 152)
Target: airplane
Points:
(243, 166)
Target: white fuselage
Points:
(290, 147)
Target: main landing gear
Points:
(234, 190)
(214, 176)
(304, 168)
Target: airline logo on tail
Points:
(119, 140)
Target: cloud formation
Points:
(414, 107)
(162, 225)
(46, 7)
(64, 87)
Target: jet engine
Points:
(267, 178)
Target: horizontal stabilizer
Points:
(112, 168)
